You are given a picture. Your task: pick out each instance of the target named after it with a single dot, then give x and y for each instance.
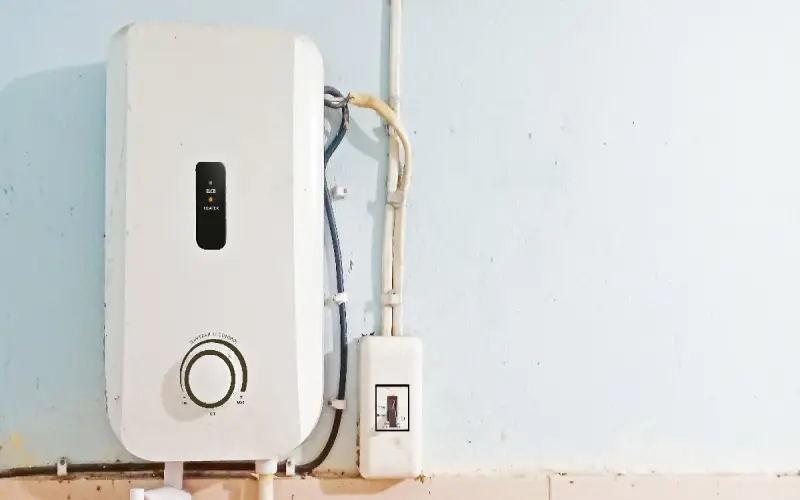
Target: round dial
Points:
(210, 371)
(209, 379)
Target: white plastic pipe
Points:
(387, 257)
(398, 266)
(392, 318)
(172, 489)
(266, 471)
(266, 488)
(167, 493)
(173, 474)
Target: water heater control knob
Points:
(209, 373)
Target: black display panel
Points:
(210, 230)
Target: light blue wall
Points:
(604, 241)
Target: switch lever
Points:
(391, 411)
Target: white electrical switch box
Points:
(390, 395)
(214, 230)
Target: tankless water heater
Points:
(214, 241)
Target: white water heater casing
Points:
(214, 241)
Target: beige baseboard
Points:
(535, 487)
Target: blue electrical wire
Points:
(339, 102)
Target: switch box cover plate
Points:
(390, 398)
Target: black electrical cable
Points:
(339, 102)
(190, 469)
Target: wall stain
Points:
(14, 448)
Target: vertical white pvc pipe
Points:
(393, 316)
(173, 474)
(266, 471)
